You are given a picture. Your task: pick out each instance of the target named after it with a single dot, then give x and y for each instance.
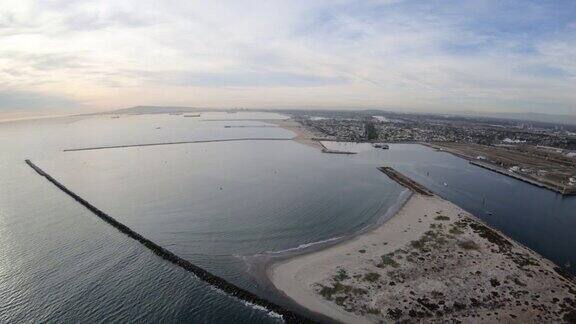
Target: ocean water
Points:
(213, 204)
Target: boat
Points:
(381, 146)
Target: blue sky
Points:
(75, 56)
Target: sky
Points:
(431, 55)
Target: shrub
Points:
(387, 260)
(372, 276)
(341, 275)
(456, 231)
(469, 245)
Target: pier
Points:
(405, 181)
(175, 143)
(213, 280)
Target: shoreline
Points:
(325, 280)
(261, 265)
(303, 135)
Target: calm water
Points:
(538, 218)
(212, 204)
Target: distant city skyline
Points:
(515, 56)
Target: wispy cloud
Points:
(238, 79)
(450, 55)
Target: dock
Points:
(215, 281)
(405, 181)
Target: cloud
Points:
(418, 54)
(239, 79)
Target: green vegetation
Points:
(387, 260)
(359, 291)
(525, 260)
(469, 245)
(419, 244)
(442, 218)
(372, 310)
(338, 288)
(340, 300)
(371, 276)
(455, 230)
(341, 274)
(343, 291)
(518, 282)
(460, 224)
(431, 238)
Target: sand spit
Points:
(432, 262)
(303, 134)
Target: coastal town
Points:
(401, 128)
(539, 153)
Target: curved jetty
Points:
(215, 281)
(175, 143)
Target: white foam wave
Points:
(260, 308)
(304, 246)
(264, 309)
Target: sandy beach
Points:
(303, 135)
(431, 262)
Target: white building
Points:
(513, 141)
